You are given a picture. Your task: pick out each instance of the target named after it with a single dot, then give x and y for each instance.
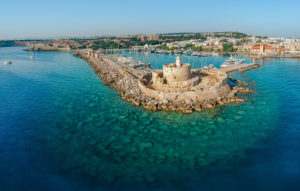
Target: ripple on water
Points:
(108, 141)
(58, 107)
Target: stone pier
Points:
(176, 88)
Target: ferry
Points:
(232, 61)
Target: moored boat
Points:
(209, 67)
(7, 62)
(232, 61)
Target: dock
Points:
(241, 67)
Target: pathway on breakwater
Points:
(135, 73)
(232, 68)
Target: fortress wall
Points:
(176, 86)
(147, 91)
(219, 88)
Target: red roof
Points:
(266, 47)
(256, 47)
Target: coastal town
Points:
(194, 44)
(178, 86)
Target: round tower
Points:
(178, 62)
(176, 72)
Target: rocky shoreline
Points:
(126, 83)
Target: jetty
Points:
(176, 87)
(122, 67)
(239, 67)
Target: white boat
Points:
(7, 62)
(31, 55)
(209, 67)
(232, 61)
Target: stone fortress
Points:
(177, 83)
(176, 87)
(175, 77)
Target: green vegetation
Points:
(105, 44)
(188, 46)
(182, 37)
(166, 48)
(120, 43)
(197, 48)
(163, 47)
(174, 48)
(228, 47)
(192, 47)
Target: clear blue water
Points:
(62, 129)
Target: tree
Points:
(197, 48)
(228, 47)
(188, 46)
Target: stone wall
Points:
(212, 86)
(176, 86)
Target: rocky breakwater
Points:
(48, 48)
(135, 86)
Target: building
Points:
(267, 49)
(144, 38)
(175, 77)
(93, 54)
(146, 47)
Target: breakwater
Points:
(213, 89)
(48, 48)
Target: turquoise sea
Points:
(62, 129)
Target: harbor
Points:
(84, 117)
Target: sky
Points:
(25, 19)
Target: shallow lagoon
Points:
(62, 129)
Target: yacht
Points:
(188, 52)
(7, 62)
(232, 61)
(209, 67)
